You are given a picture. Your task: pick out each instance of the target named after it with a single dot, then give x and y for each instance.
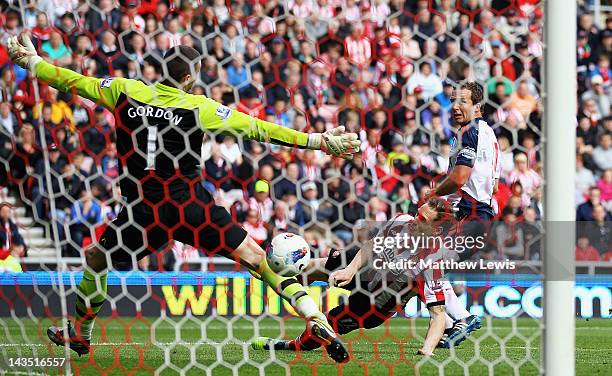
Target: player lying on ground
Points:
(159, 135)
(376, 295)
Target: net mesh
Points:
(383, 69)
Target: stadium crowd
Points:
(384, 69)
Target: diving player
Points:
(376, 295)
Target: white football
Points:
(288, 254)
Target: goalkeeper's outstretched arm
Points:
(213, 115)
(23, 53)
(66, 80)
(336, 142)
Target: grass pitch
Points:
(220, 346)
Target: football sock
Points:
(448, 321)
(90, 298)
(454, 307)
(291, 290)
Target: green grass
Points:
(141, 346)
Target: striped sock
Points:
(90, 298)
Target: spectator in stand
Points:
(97, 135)
(236, 72)
(254, 226)
(217, 171)
(526, 66)
(8, 84)
(42, 31)
(352, 211)
(590, 109)
(279, 221)
(598, 93)
(455, 64)
(67, 189)
(599, 231)
(529, 179)
(585, 251)
(56, 50)
(605, 186)
(584, 180)
(602, 154)
(85, 213)
(337, 187)
(9, 125)
(425, 81)
(262, 202)
(512, 26)
(108, 56)
(104, 18)
(532, 230)
(358, 47)
(10, 238)
(288, 184)
(585, 210)
(587, 131)
(110, 166)
(509, 236)
(138, 49)
(410, 47)
(523, 102)
(316, 27)
(12, 25)
(529, 145)
(60, 110)
(506, 157)
(307, 207)
(230, 149)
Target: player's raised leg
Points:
(91, 295)
(121, 242)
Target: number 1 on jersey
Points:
(151, 147)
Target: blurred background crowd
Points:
(383, 68)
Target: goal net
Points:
(383, 69)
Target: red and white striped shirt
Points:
(301, 8)
(359, 50)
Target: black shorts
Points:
(190, 216)
(363, 308)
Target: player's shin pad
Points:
(90, 298)
(291, 290)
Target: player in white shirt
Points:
(472, 179)
(474, 159)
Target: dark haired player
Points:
(159, 136)
(474, 159)
(376, 295)
(473, 175)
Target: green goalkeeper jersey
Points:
(159, 128)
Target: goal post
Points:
(559, 251)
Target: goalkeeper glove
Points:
(335, 142)
(22, 52)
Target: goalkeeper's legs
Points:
(91, 295)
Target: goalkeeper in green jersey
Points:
(159, 130)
